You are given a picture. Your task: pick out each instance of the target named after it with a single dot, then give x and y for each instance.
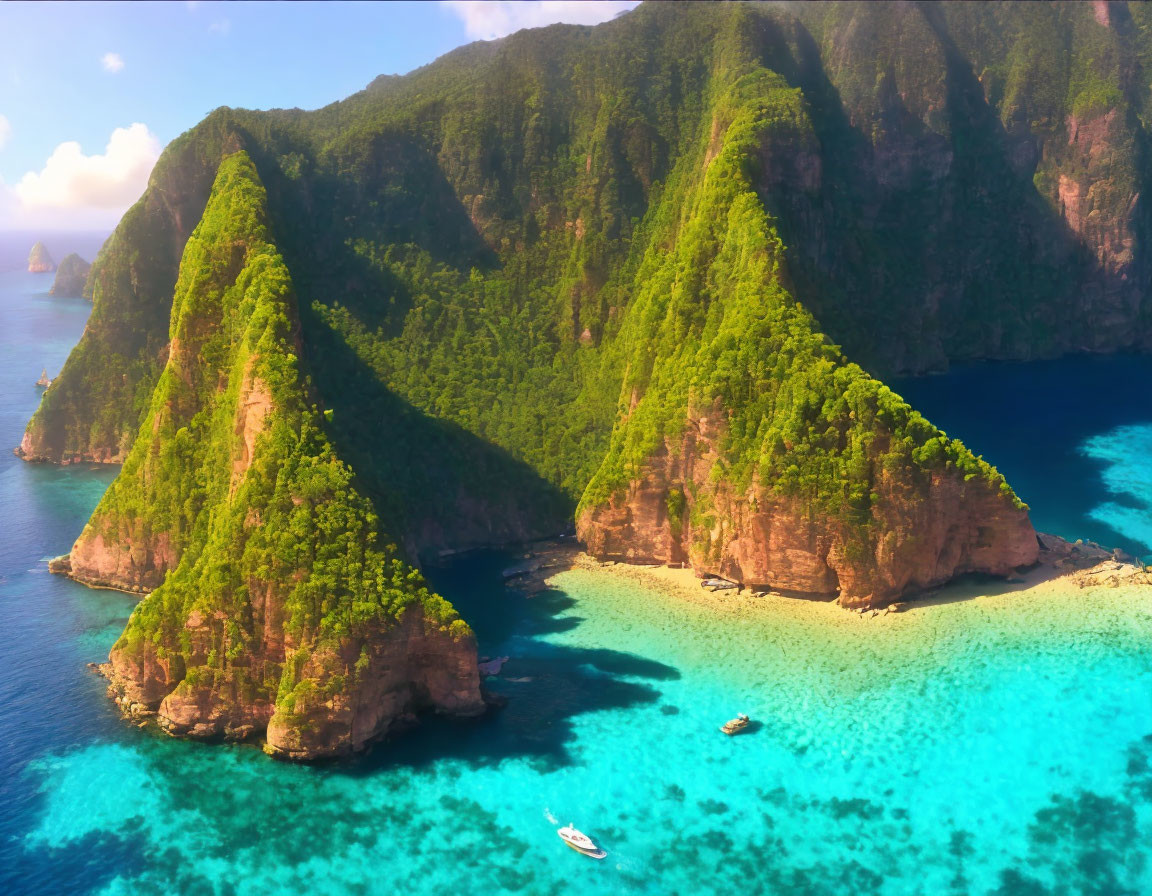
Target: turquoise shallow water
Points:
(954, 749)
(1124, 452)
(994, 745)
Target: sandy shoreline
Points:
(1050, 585)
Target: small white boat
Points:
(582, 843)
(736, 725)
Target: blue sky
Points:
(90, 92)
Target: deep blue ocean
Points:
(1073, 437)
(999, 744)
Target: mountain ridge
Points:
(271, 607)
(647, 277)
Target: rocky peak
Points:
(71, 276)
(40, 261)
(272, 606)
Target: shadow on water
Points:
(83, 866)
(546, 684)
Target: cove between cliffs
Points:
(1063, 569)
(997, 717)
(966, 744)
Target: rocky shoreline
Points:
(62, 566)
(1063, 564)
(1080, 564)
(159, 719)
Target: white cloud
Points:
(221, 27)
(78, 190)
(5, 131)
(488, 19)
(112, 62)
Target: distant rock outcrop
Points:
(71, 277)
(39, 261)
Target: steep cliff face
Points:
(519, 283)
(971, 188)
(123, 555)
(920, 531)
(104, 388)
(274, 608)
(404, 668)
(71, 277)
(978, 193)
(410, 667)
(746, 444)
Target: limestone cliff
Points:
(71, 277)
(977, 187)
(103, 389)
(971, 188)
(403, 668)
(40, 261)
(274, 608)
(410, 667)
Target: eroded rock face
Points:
(34, 449)
(209, 713)
(126, 555)
(130, 562)
(145, 679)
(272, 606)
(920, 534)
(411, 667)
(92, 417)
(255, 404)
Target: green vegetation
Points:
(282, 528)
(71, 277)
(468, 236)
(520, 270)
(97, 403)
(712, 331)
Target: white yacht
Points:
(582, 843)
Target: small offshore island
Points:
(644, 280)
(40, 261)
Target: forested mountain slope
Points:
(275, 606)
(635, 267)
